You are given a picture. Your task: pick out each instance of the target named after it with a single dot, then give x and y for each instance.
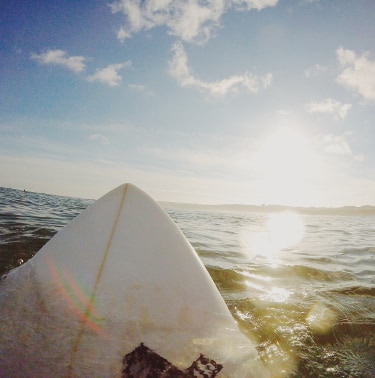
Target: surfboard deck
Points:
(117, 288)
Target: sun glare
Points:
(287, 229)
(280, 231)
(285, 153)
(285, 164)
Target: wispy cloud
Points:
(309, 2)
(123, 34)
(61, 58)
(99, 138)
(191, 21)
(141, 89)
(179, 69)
(314, 70)
(358, 73)
(196, 160)
(109, 75)
(330, 106)
(251, 4)
(337, 145)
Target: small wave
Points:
(303, 272)
(227, 280)
(356, 290)
(309, 273)
(323, 260)
(16, 253)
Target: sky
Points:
(199, 101)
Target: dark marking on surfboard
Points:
(144, 362)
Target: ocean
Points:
(302, 287)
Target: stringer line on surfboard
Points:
(89, 306)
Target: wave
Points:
(356, 290)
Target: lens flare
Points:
(78, 298)
(321, 318)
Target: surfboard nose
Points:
(119, 275)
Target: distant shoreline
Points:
(266, 209)
(238, 208)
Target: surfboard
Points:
(119, 292)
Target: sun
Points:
(285, 163)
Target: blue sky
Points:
(225, 101)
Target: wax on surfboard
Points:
(119, 285)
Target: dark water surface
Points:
(302, 287)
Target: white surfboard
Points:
(119, 292)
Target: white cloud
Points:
(61, 58)
(179, 69)
(337, 145)
(331, 106)
(345, 56)
(122, 34)
(191, 20)
(358, 73)
(109, 75)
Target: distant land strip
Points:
(235, 208)
(345, 210)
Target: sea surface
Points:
(302, 287)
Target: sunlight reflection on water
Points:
(279, 232)
(266, 240)
(277, 294)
